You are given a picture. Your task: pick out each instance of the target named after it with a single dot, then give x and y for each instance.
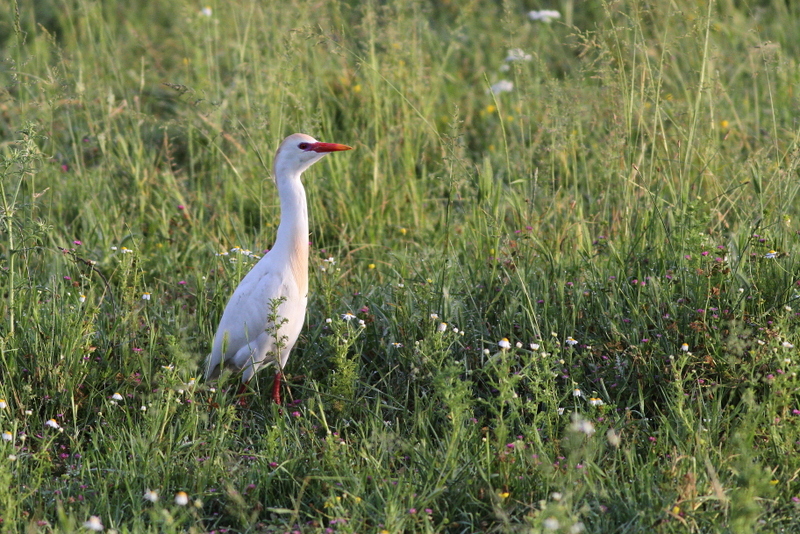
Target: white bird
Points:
(277, 287)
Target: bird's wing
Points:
(241, 341)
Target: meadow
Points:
(570, 247)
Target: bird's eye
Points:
(303, 146)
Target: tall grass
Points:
(625, 218)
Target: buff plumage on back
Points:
(244, 341)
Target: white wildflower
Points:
(579, 424)
(94, 523)
(517, 54)
(503, 86)
(544, 15)
(504, 343)
(52, 423)
(551, 523)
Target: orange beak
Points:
(328, 147)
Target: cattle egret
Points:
(271, 301)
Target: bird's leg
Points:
(276, 387)
(242, 400)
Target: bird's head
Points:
(298, 152)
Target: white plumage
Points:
(244, 342)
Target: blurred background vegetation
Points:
(625, 175)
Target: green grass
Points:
(628, 193)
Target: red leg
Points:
(242, 400)
(276, 388)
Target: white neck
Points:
(292, 239)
